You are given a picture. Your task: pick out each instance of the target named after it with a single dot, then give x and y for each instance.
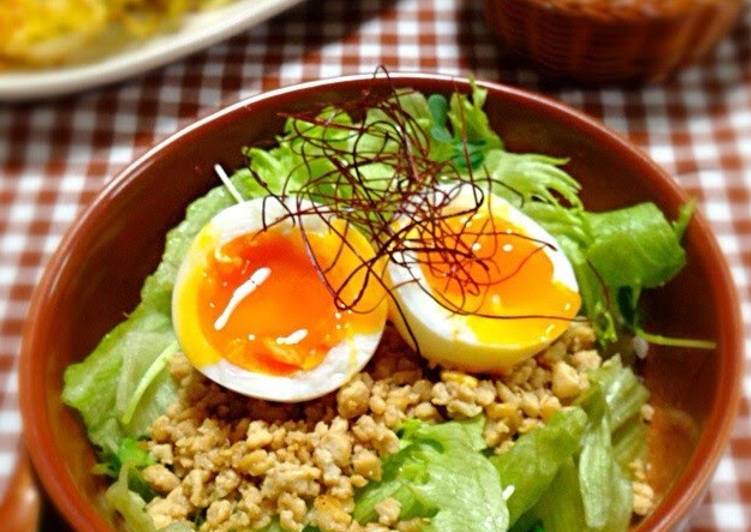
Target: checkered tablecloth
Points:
(54, 157)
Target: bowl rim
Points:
(692, 483)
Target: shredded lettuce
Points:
(613, 404)
(128, 452)
(596, 474)
(622, 392)
(605, 490)
(580, 482)
(630, 442)
(524, 178)
(103, 387)
(532, 463)
(94, 385)
(148, 378)
(440, 474)
(615, 255)
(129, 504)
(685, 213)
(560, 509)
(635, 247)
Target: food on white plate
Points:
(42, 33)
(387, 321)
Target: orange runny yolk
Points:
(505, 273)
(289, 320)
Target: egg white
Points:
(340, 363)
(445, 337)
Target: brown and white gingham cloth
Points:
(55, 156)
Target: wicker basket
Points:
(612, 40)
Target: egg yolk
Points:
(496, 273)
(264, 305)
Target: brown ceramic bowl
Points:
(604, 40)
(95, 276)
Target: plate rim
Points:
(155, 52)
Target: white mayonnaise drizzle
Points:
(294, 338)
(241, 292)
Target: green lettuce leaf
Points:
(533, 462)
(102, 386)
(439, 473)
(595, 471)
(613, 403)
(129, 452)
(560, 508)
(129, 504)
(630, 442)
(621, 501)
(605, 490)
(685, 213)
(577, 480)
(623, 392)
(177, 527)
(524, 178)
(634, 247)
(615, 256)
(469, 121)
(113, 370)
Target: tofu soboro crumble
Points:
(245, 461)
(386, 321)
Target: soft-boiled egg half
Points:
(254, 304)
(508, 295)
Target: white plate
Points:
(198, 31)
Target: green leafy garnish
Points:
(685, 213)
(154, 370)
(129, 504)
(470, 139)
(634, 247)
(130, 454)
(532, 463)
(561, 509)
(578, 480)
(469, 121)
(616, 255)
(605, 492)
(526, 178)
(105, 385)
(440, 474)
(692, 343)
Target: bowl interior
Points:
(95, 277)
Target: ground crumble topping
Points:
(238, 462)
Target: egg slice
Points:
(254, 307)
(463, 304)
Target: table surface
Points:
(55, 156)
